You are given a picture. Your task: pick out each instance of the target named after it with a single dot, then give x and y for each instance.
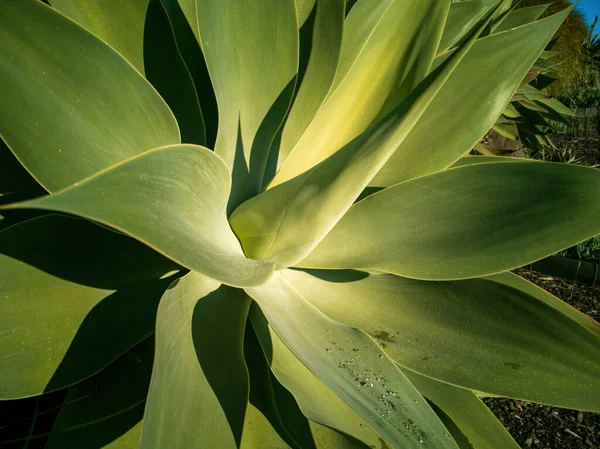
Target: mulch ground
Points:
(541, 427)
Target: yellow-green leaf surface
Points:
(304, 9)
(174, 200)
(70, 301)
(471, 160)
(536, 95)
(462, 17)
(259, 433)
(470, 102)
(199, 388)
(315, 399)
(512, 280)
(353, 366)
(467, 411)
(141, 32)
(477, 333)
(107, 409)
(466, 222)
(251, 51)
(71, 105)
(520, 17)
(386, 44)
(322, 64)
(286, 222)
(118, 23)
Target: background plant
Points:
(204, 281)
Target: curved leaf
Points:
(286, 222)
(455, 225)
(385, 399)
(478, 333)
(471, 101)
(150, 197)
(259, 433)
(303, 10)
(462, 17)
(247, 79)
(315, 399)
(521, 16)
(386, 44)
(63, 88)
(467, 411)
(199, 388)
(119, 24)
(322, 64)
(64, 282)
(471, 160)
(106, 410)
(141, 32)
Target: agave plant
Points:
(316, 267)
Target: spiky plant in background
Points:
(196, 285)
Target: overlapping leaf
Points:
(325, 46)
(199, 387)
(353, 366)
(287, 221)
(70, 301)
(107, 409)
(470, 102)
(466, 222)
(252, 86)
(479, 334)
(173, 199)
(387, 47)
(72, 106)
(467, 412)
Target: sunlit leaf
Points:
(387, 47)
(174, 200)
(199, 387)
(478, 333)
(466, 222)
(72, 106)
(353, 366)
(70, 301)
(471, 101)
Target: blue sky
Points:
(591, 9)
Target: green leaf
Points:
(470, 160)
(119, 24)
(517, 282)
(320, 72)
(259, 433)
(304, 9)
(106, 410)
(190, 51)
(286, 222)
(64, 282)
(63, 88)
(462, 17)
(141, 32)
(521, 16)
(467, 411)
(471, 101)
(174, 200)
(279, 412)
(199, 387)
(477, 333)
(387, 48)
(315, 399)
(353, 366)
(247, 79)
(455, 225)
